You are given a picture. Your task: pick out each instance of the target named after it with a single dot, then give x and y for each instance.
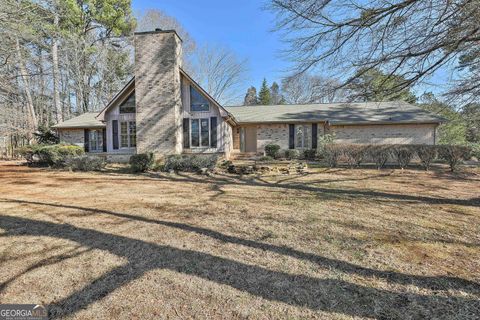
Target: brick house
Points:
(164, 111)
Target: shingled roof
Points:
(335, 113)
(86, 120)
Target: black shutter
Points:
(104, 139)
(186, 133)
(314, 135)
(86, 141)
(213, 132)
(115, 134)
(291, 136)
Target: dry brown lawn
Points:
(332, 244)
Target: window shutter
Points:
(213, 132)
(86, 142)
(115, 134)
(186, 133)
(314, 135)
(104, 139)
(291, 136)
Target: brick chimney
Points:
(158, 57)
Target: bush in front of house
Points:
(142, 162)
(426, 154)
(190, 163)
(403, 154)
(50, 155)
(380, 154)
(332, 154)
(272, 150)
(310, 154)
(454, 155)
(291, 154)
(85, 163)
(355, 154)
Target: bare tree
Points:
(305, 88)
(407, 38)
(220, 72)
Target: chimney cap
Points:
(158, 30)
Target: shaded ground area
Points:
(332, 244)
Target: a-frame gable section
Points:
(119, 98)
(224, 113)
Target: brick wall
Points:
(385, 134)
(72, 136)
(354, 134)
(158, 92)
(272, 133)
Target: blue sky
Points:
(246, 29)
(239, 25)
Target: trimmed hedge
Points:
(272, 150)
(426, 154)
(310, 154)
(49, 155)
(85, 163)
(401, 155)
(454, 155)
(291, 154)
(190, 163)
(142, 162)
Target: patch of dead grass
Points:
(332, 244)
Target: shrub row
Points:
(190, 163)
(402, 155)
(61, 156)
(85, 163)
(49, 155)
(355, 155)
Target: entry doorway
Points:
(248, 139)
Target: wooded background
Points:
(61, 58)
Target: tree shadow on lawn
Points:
(312, 186)
(298, 290)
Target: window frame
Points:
(200, 144)
(192, 89)
(133, 108)
(95, 136)
(131, 142)
(306, 131)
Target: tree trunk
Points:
(56, 72)
(24, 76)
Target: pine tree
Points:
(276, 96)
(264, 96)
(251, 97)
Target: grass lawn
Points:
(332, 244)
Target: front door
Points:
(250, 139)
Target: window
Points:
(205, 132)
(197, 101)
(128, 106)
(128, 134)
(95, 140)
(200, 132)
(195, 134)
(303, 136)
